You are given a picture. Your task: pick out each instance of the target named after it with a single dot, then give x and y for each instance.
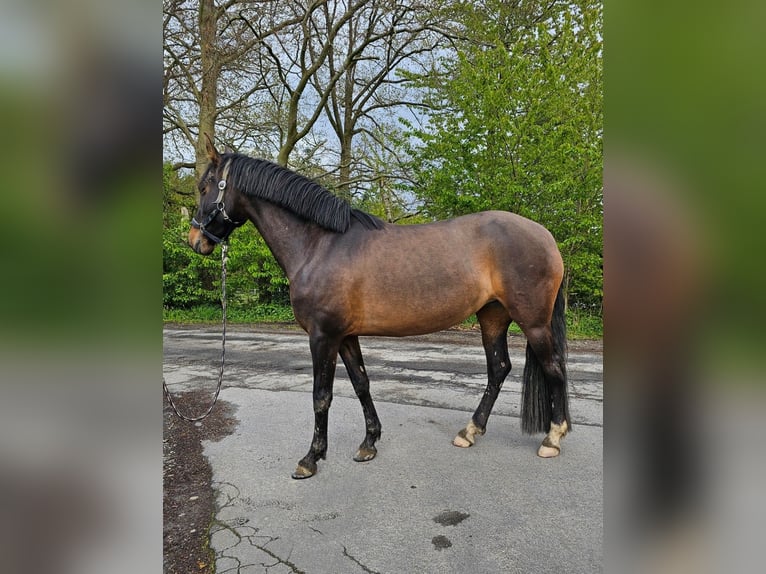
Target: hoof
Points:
(303, 472)
(365, 453)
(461, 441)
(548, 451)
(551, 446)
(467, 436)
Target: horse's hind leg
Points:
(545, 404)
(352, 358)
(494, 321)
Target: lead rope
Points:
(224, 248)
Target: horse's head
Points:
(219, 211)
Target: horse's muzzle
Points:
(199, 242)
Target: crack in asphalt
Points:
(243, 532)
(360, 564)
(247, 534)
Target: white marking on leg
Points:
(551, 446)
(467, 437)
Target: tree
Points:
(267, 75)
(210, 76)
(519, 125)
(383, 38)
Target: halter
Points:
(218, 207)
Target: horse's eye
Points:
(203, 185)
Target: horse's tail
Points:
(536, 396)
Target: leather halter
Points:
(218, 207)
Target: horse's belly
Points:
(384, 327)
(401, 309)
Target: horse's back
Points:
(497, 239)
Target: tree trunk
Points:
(344, 174)
(211, 71)
(565, 288)
(346, 134)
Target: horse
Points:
(352, 275)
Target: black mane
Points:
(294, 192)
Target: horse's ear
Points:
(228, 149)
(212, 153)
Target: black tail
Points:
(536, 393)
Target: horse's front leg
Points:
(324, 354)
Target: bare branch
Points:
(183, 164)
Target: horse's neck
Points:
(289, 237)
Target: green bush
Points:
(188, 279)
(263, 313)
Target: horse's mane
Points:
(294, 192)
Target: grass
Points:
(580, 324)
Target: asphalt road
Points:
(422, 505)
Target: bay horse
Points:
(351, 274)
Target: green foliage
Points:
(516, 125)
(254, 276)
(236, 313)
(584, 324)
(188, 279)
